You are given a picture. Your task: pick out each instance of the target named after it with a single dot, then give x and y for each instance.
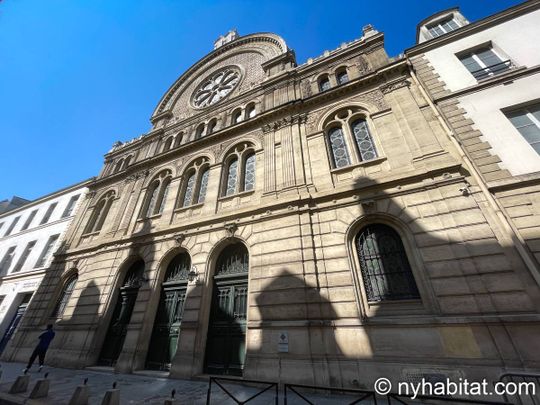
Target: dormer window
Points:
(443, 27)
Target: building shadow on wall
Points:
(74, 334)
(338, 337)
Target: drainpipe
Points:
(502, 216)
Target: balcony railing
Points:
(492, 70)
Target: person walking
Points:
(41, 349)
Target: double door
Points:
(167, 326)
(226, 342)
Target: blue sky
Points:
(75, 75)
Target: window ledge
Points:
(240, 194)
(187, 207)
(87, 234)
(375, 161)
(397, 307)
(511, 69)
(150, 218)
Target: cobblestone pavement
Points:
(148, 390)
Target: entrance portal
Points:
(169, 316)
(226, 342)
(112, 346)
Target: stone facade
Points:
(477, 311)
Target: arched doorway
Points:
(169, 315)
(226, 342)
(112, 346)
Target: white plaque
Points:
(283, 342)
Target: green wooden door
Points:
(226, 341)
(166, 331)
(116, 334)
(166, 327)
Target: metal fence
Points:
(245, 395)
(530, 388)
(322, 394)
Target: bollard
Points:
(20, 384)
(112, 397)
(80, 396)
(171, 401)
(41, 389)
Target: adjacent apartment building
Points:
(320, 223)
(484, 78)
(29, 236)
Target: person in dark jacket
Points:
(41, 349)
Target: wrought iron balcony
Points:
(492, 70)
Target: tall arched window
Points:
(324, 83)
(385, 269)
(349, 138)
(232, 177)
(364, 142)
(63, 300)
(156, 194)
(195, 183)
(249, 172)
(101, 210)
(240, 173)
(338, 146)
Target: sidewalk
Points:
(138, 389)
(134, 389)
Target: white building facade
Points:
(484, 78)
(29, 236)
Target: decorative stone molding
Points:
(231, 229)
(136, 176)
(284, 122)
(179, 238)
(390, 87)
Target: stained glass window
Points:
(339, 148)
(188, 195)
(249, 173)
(203, 186)
(386, 271)
(165, 191)
(232, 176)
(153, 199)
(364, 142)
